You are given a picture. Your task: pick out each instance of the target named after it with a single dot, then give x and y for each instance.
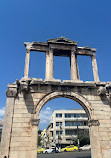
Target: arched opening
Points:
(69, 122)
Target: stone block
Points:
(103, 117)
(21, 125)
(72, 81)
(38, 95)
(21, 120)
(22, 111)
(104, 129)
(20, 148)
(20, 134)
(26, 115)
(22, 154)
(20, 139)
(99, 102)
(105, 125)
(106, 153)
(92, 98)
(102, 138)
(103, 134)
(17, 115)
(24, 107)
(22, 144)
(36, 81)
(97, 112)
(105, 143)
(105, 121)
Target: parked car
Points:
(40, 150)
(85, 147)
(48, 150)
(70, 148)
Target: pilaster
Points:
(27, 59)
(73, 66)
(95, 69)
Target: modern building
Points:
(65, 125)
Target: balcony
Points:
(75, 127)
(76, 119)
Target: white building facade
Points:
(64, 126)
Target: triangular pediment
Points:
(62, 40)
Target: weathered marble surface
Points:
(26, 97)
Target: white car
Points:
(85, 147)
(48, 150)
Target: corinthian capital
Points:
(28, 46)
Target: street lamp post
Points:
(78, 142)
(58, 140)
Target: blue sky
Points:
(87, 22)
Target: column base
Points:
(52, 80)
(72, 81)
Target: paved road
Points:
(82, 154)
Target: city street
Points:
(81, 154)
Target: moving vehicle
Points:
(48, 150)
(85, 147)
(40, 150)
(70, 148)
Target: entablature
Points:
(61, 47)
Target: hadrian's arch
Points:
(27, 96)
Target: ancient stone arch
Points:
(71, 95)
(27, 96)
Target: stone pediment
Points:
(62, 40)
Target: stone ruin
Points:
(27, 96)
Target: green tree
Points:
(39, 140)
(83, 135)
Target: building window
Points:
(69, 123)
(75, 115)
(76, 123)
(58, 115)
(85, 123)
(68, 115)
(70, 132)
(80, 115)
(58, 123)
(59, 132)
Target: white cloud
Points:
(48, 108)
(2, 111)
(45, 115)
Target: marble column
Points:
(78, 76)
(49, 64)
(27, 59)
(51, 67)
(47, 72)
(73, 67)
(95, 69)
